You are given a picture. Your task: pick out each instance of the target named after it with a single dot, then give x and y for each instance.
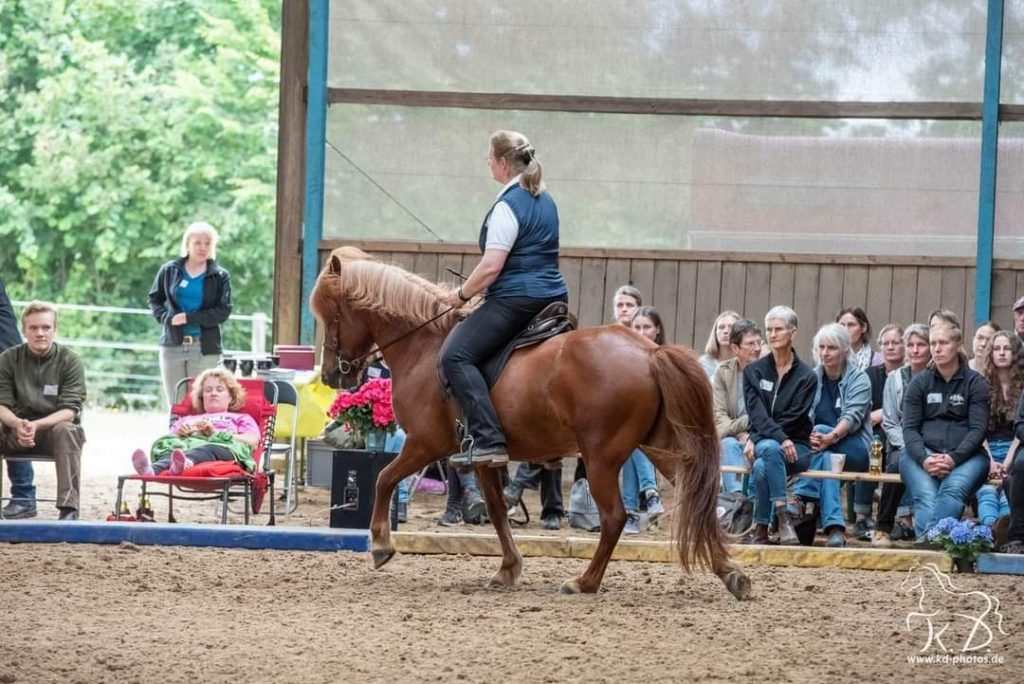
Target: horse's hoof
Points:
(503, 580)
(570, 587)
(738, 584)
(381, 556)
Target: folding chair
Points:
(287, 395)
(22, 458)
(224, 480)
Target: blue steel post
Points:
(989, 155)
(316, 135)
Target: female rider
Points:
(519, 274)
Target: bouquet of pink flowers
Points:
(364, 411)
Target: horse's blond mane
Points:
(368, 283)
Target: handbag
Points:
(583, 512)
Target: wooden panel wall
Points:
(689, 289)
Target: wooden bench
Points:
(830, 475)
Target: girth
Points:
(554, 319)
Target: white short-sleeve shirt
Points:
(502, 224)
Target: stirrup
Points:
(463, 459)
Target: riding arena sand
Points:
(149, 614)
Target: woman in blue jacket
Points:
(190, 298)
(841, 413)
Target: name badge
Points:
(956, 400)
(184, 284)
(839, 404)
(767, 385)
(50, 390)
(934, 398)
(373, 372)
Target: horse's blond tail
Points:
(687, 406)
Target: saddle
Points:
(554, 319)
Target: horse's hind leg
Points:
(603, 475)
(511, 562)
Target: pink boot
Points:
(140, 461)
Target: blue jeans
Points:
(769, 475)
(470, 345)
(393, 444)
(992, 502)
(936, 499)
(732, 455)
(22, 476)
(637, 476)
(827, 492)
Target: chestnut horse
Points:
(598, 392)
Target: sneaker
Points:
(881, 540)
(552, 522)
(450, 518)
(836, 538)
(862, 530)
(17, 511)
(512, 493)
(900, 532)
(473, 504)
(141, 463)
(632, 524)
(655, 508)
(1015, 546)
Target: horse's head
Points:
(347, 339)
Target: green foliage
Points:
(120, 124)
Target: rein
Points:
(346, 366)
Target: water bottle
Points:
(875, 453)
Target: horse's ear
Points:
(334, 266)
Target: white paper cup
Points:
(838, 461)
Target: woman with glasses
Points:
(730, 409)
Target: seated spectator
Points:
(896, 505)
(731, 419)
(842, 425)
(890, 342)
(638, 476)
(856, 323)
(717, 348)
(945, 415)
(530, 476)
(215, 432)
(1005, 385)
(778, 391)
(1015, 468)
(42, 390)
(626, 300)
(979, 345)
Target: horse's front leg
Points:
(411, 459)
(511, 562)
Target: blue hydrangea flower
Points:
(946, 524)
(962, 533)
(983, 533)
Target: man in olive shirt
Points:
(42, 389)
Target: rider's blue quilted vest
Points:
(531, 269)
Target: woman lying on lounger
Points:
(212, 433)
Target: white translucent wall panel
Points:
(1012, 87)
(912, 50)
(1009, 230)
(841, 186)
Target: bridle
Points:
(347, 366)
